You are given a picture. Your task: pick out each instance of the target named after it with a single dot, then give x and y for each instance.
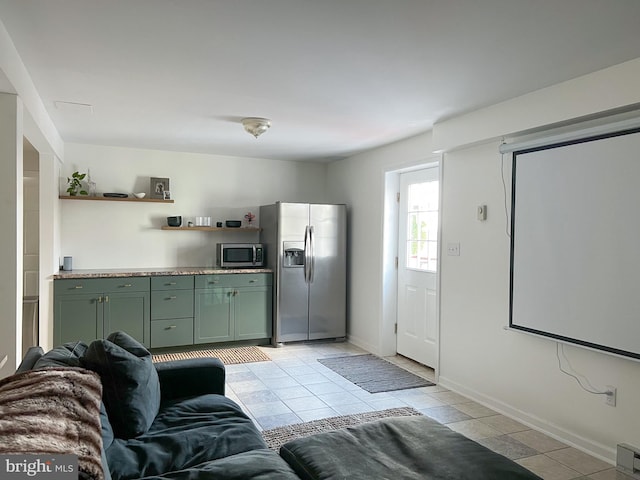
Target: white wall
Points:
(360, 183)
(513, 373)
(11, 201)
(129, 235)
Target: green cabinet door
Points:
(90, 309)
(252, 313)
(213, 315)
(232, 307)
(77, 317)
(128, 312)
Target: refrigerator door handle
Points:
(307, 245)
(312, 254)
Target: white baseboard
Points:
(594, 449)
(358, 342)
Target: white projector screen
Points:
(575, 242)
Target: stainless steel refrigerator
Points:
(306, 248)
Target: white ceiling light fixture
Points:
(256, 126)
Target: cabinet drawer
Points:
(172, 282)
(233, 280)
(171, 304)
(173, 332)
(71, 286)
(127, 284)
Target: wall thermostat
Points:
(482, 212)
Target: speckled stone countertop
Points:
(153, 272)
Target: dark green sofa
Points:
(172, 421)
(168, 419)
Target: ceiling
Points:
(336, 77)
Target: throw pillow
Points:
(67, 355)
(130, 384)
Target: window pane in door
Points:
(422, 226)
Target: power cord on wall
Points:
(592, 389)
(504, 189)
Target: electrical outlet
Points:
(610, 397)
(453, 249)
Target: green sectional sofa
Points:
(171, 420)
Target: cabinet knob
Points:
(171, 283)
(213, 282)
(172, 297)
(127, 285)
(78, 286)
(252, 281)
(171, 327)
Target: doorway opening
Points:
(31, 246)
(417, 325)
(411, 248)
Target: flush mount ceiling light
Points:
(256, 126)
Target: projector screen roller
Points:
(575, 242)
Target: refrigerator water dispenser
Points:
(293, 254)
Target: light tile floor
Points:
(294, 387)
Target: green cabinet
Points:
(90, 309)
(232, 307)
(213, 318)
(165, 310)
(171, 310)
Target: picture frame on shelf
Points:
(158, 186)
(167, 195)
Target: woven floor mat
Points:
(276, 437)
(228, 356)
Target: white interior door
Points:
(417, 265)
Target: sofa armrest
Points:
(30, 359)
(190, 377)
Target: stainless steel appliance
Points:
(307, 252)
(240, 255)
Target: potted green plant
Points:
(75, 184)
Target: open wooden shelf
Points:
(115, 199)
(215, 229)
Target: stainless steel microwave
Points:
(240, 255)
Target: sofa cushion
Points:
(407, 448)
(107, 429)
(185, 433)
(30, 358)
(261, 464)
(67, 355)
(131, 389)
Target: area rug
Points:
(276, 437)
(374, 374)
(228, 356)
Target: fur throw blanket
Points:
(53, 411)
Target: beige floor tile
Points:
(504, 424)
(474, 429)
(579, 461)
(538, 441)
(610, 474)
(548, 468)
(450, 398)
(474, 409)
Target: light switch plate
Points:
(453, 249)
